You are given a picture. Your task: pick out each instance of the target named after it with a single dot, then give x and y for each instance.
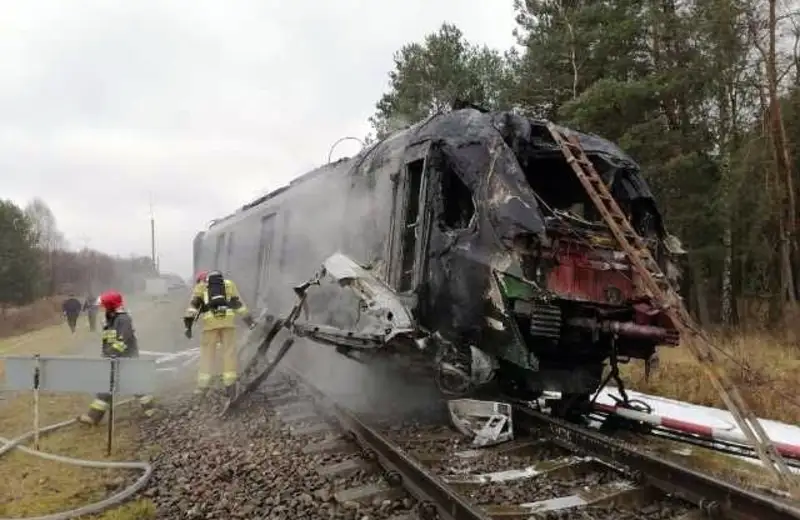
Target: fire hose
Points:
(96, 507)
(8, 445)
(186, 357)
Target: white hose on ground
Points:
(97, 507)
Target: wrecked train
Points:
(470, 243)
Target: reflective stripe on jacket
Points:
(211, 320)
(119, 338)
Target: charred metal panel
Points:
(379, 300)
(408, 218)
(370, 199)
(491, 194)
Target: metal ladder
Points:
(665, 296)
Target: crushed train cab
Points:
(474, 229)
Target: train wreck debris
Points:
(488, 260)
(487, 423)
(540, 247)
(378, 300)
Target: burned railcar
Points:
(475, 225)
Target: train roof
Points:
(341, 165)
(468, 122)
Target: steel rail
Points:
(718, 499)
(715, 498)
(426, 487)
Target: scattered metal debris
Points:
(487, 423)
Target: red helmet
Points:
(111, 300)
(201, 276)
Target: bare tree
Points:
(765, 24)
(48, 237)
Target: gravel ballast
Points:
(247, 466)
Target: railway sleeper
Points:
(552, 478)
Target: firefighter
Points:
(215, 300)
(118, 340)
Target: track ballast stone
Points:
(246, 466)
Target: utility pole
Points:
(153, 235)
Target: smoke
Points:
(398, 122)
(377, 388)
(349, 212)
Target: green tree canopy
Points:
(429, 76)
(19, 260)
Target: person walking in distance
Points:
(71, 309)
(118, 340)
(215, 301)
(90, 308)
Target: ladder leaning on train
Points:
(394, 324)
(665, 296)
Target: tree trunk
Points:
(784, 166)
(697, 289)
(726, 310)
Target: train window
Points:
(458, 204)
(414, 171)
(218, 252)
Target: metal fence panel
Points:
(80, 374)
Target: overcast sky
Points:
(204, 103)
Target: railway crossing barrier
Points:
(117, 376)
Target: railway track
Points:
(552, 469)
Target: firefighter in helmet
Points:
(215, 301)
(118, 340)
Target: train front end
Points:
(563, 302)
(577, 309)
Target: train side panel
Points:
(281, 242)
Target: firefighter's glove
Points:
(188, 333)
(248, 320)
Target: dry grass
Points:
(43, 313)
(135, 510)
(53, 340)
(33, 486)
(19, 320)
(766, 370)
(36, 486)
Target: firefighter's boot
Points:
(147, 402)
(91, 418)
(97, 409)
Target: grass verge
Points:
(41, 313)
(34, 486)
(766, 370)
